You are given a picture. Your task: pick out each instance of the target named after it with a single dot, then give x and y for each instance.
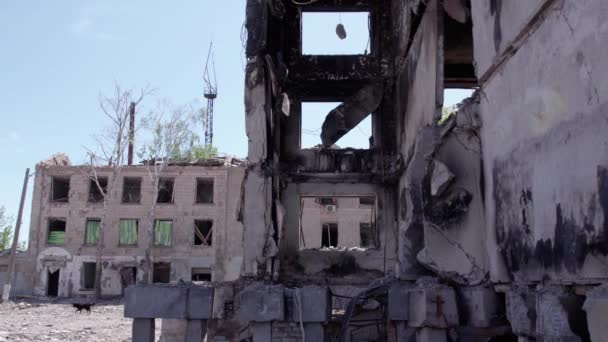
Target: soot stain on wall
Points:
(572, 241)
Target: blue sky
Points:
(56, 57)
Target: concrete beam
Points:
(350, 113)
(261, 303)
(432, 305)
(168, 301)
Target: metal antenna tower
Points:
(210, 93)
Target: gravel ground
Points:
(40, 320)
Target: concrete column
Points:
(196, 330)
(143, 330)
(314, 332)
(262, 332)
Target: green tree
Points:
(6, 229)
(202, 152)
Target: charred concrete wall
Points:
(223, 258)
(544, 154)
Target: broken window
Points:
(161, 272)
(329, 235)
(338, 222)
(131, 190)
(163, 233)
(203, 232)
(56, 234)
(204, 190)
(366, 201)
(313, 116)
(128, 232)
(165, 190)
(91, 232)
(201, 274)
(96, 195)
(366, 235)
(87, 279)
(60, 189)
(335, 33)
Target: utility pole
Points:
(11, 263)
(131, 132)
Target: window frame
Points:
(124, 181)
(86, 227)
(161, 180)
(195, 227)
(48, 230)
(200, 180)
(52, 192)
(136, 232)
(93, 185)
(154, 244)
(329, 235)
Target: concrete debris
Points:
(521, 311)
(596, 308)
(57, 159)
(350, 113)
(441, 178)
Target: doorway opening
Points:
(52, 287)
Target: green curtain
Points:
(92, 232)
(163, 233)
(56, 238)
(128, 233)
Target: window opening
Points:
(163, 233)
(204, 190)
(131, 190)
(366, 235)
(87, 280)
(451, 99)
(338, 222)
(165, 190)
(336, 33)
(203, 232)
(128, 232)
(201, 274)
(60, 189)
(128, 276)
(91, 234)
(56, 234)
(95, 194)
(313, 116)
(329, 237)
(161, 272)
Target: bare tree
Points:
(111, 152)
(171, 137)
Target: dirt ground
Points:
(40, 320)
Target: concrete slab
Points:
(261, 303)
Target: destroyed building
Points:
(196, 233)
(490, 224)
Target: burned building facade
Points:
(487, 225)
(196, 235)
